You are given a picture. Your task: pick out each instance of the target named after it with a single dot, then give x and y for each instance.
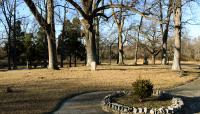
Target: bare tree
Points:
(177, 36)
(166, 29)
(153, 41)
(89, 13)
(119, 20)
(14, 36)
(138, 37)
(97, 32)
(49, 26)
(9, 13)
(97, 38)
(6, 11)
(42, 5)
(62, 37)
(150, 39)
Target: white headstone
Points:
(93, 66)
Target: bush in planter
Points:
(142, 89)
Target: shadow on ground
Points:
(191, 105)
(190, 93)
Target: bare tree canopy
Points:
(131, 17)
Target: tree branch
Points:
(144, 14)
(78, 8)
(37, 15)
(98, 2)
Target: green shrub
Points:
(142, 89)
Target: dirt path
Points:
(191, 95)
(89, 103)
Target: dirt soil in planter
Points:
(151, 102)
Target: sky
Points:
(193, 12)
(189, 13)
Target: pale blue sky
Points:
(191, 13)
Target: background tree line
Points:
(155, 22)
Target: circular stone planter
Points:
(109, 104)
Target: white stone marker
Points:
(93, 66)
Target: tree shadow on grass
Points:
(3, 70)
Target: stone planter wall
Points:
(176, 107)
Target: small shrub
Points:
(142, 89)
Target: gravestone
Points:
(93, 66)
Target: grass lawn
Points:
(40, 90)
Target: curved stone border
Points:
(176, 107)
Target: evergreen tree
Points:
(71, 45)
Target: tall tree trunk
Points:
(8, 28)
(14, 37)
(97, 38)
(62, 38)
(138, 37)
(145, 61)
(119, 20)
(61, 58)
(96, 30)
(177, 37)
(45, 41)
(9, 51)
(91, 53)
(165, 34)
(49, 27)
(136, 52)
(28, 65)
(90, 40)
(46, 52)
(51, 36)
(110, 54)
(153, 59)
(164, 47)
(52, 51)
(85, 61)
(70, 60)
(75, 58)
(120, 47)
(90, 45)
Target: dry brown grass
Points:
(40, 90)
